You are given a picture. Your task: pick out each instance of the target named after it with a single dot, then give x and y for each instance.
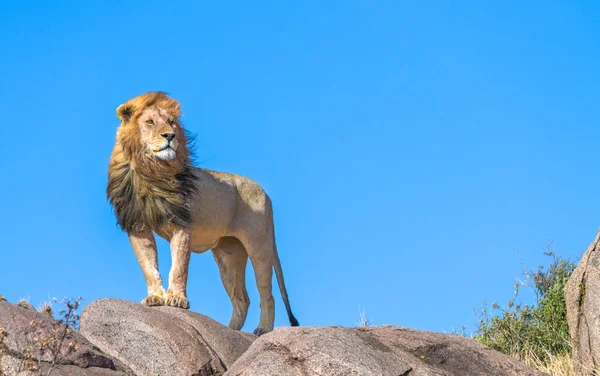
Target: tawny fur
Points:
(155, 189)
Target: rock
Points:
(582, 296)
(13, 366)
(76, 355)
(66, 370)
(227, 343)
(162, 340)
(381, 351)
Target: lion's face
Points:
(158, 132)
(150, 126)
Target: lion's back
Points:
(248, 191)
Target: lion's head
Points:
(150, 175)
(150, 127)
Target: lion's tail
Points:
(284, 295)
(279, 274)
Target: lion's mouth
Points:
(168, 146)
(166, 154)
(166, 151)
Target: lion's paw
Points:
(176, 299)
(153, 300)
(259, 331)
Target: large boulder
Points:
(33, 340)
(582, 295)
(373, 351)
(162, 340)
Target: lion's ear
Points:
(124, 112)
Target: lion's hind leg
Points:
(260, 252)
(231, 257)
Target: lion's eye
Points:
(150, 122)
(171, 121)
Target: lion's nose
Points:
(168, 136)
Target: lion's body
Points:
(225, 205)
(154, 189)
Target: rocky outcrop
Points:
(582, 295)
(34, 340)
(162, 340)
(121, 338)
(377, 351)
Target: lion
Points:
(153, 188)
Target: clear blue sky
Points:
(410, 149)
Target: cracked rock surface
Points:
(582, 295)
(381, 351)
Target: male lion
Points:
(153, 188)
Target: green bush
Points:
(537, 330)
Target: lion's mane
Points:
(147, 193)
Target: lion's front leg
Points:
(144, 247)
(180, 255)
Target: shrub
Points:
(538, 332)
(50, 340)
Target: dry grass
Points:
(554, 365)
(364, 321)
(46, 309)
(24, 303)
